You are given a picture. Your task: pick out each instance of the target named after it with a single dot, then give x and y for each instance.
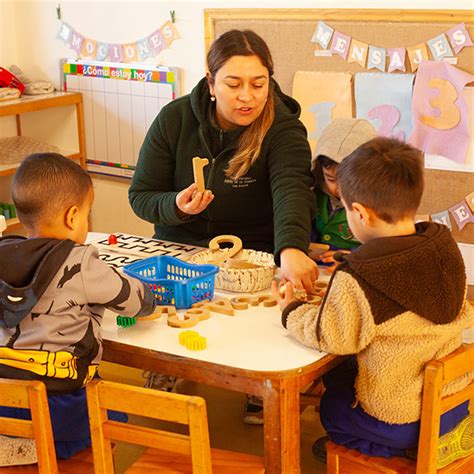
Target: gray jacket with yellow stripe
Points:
(53, 294)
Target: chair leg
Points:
(332, 461)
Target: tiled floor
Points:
(227, 430)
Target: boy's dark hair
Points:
(384, 174)
(46, 184)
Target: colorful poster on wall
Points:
(386, 101)
(323, 96)
(433, 161)
(440, 112)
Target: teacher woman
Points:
(258, 178)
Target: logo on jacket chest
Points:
(243, 182)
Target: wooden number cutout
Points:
(188, 322)
(200, 304)
(449, 115)
(159, 310)
(267, 301)
(201, 313)
(242, 302)
(198, 170)
(214, 246)
(222, 306)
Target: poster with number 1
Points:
(323, 96)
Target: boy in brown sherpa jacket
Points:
(396, 302)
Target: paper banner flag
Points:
(102, 51)
(115, 52)
(75, 41)
(440, 48)
(130, 53)
(340, 44)
(459, 37)
(144, 49)
(323, 96)
(169, 33)
(157, 42)
(442, 218)
(440, 113)
(422, 218)
(322, 35)
(396, 59)
(462, 214)
(137, 51)
(376, 58)
(358, 52)
(386, 101)
(470, 201)
(89, 48)
(64, 32)
(417, 54)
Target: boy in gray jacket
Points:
(53, 293)
(395, 303)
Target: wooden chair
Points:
(438, 373)
(170, 452)
(32, 395)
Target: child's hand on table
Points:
(285, 294)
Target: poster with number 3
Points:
(441, 114)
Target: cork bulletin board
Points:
(288, 33)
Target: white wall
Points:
(28, 38)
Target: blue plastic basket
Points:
(174, 282)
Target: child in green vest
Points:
(338, 140)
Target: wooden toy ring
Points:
(320, 285)
(314, 299)
(159, 310)
(201, 313)
(214, 245)
(242, 302)
(188, 322)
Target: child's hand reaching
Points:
(331, 256)
(285, 294)
(328, 257)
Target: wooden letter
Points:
(198, 165)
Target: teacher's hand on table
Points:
(191, 201)
(299, 269)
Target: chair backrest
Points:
(172, 407)
(30, 394)
(439, 373)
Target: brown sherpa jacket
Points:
(396, 302)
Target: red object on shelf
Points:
(112, 240)
(7, 79)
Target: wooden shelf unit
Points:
(27, 104)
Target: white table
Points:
(249, 352)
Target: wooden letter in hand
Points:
(198, 165)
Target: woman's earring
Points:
(213, 99)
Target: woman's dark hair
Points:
(244, 43)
